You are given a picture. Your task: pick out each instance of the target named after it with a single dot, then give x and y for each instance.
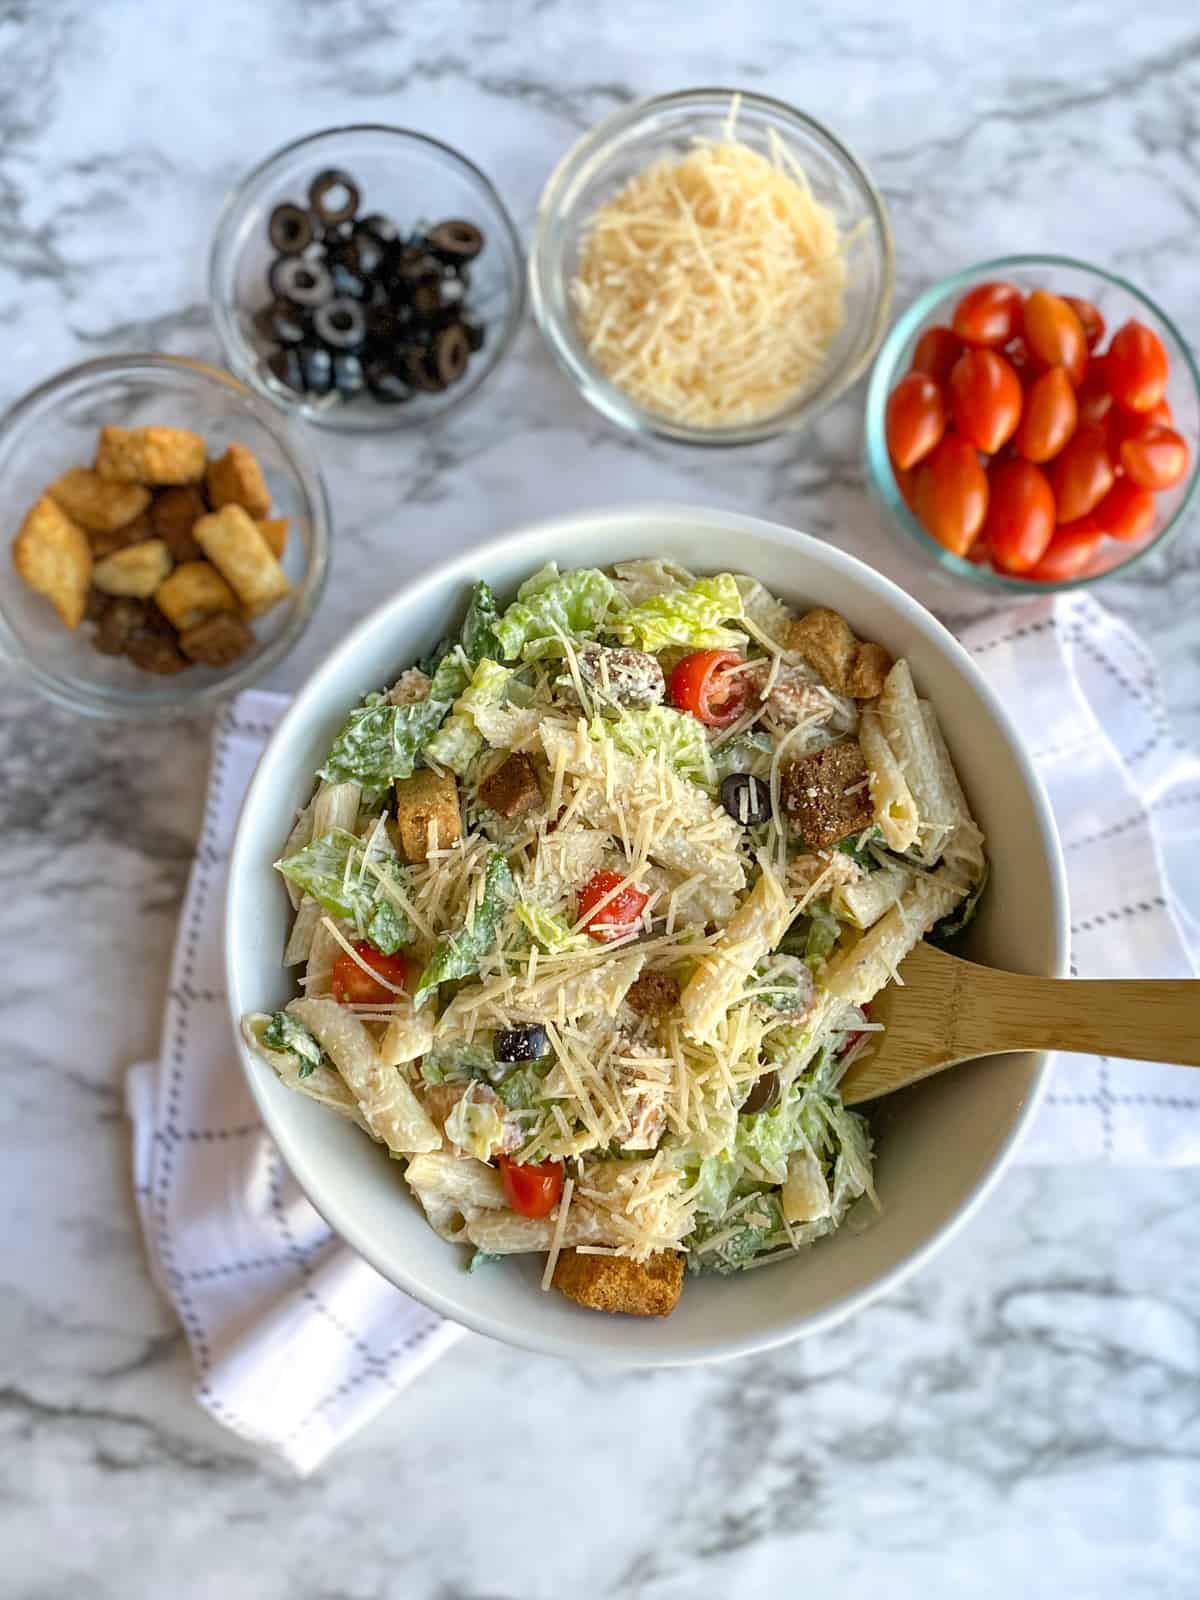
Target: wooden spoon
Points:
(950, 1011)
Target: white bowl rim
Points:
(467, 566)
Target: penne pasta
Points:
(895, 808)
(906, 731)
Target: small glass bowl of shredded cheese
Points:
(712, 267)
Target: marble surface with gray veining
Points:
(1024, 1417)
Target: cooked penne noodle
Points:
(905, 729)
(895, 808)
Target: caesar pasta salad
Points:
(590, 905)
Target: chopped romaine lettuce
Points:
(691, 617)
(549, 606)
(523, 1088)
(757, 1226)
(458, 954)
(455, 744)
(286, 1032)
(456, 1063)
(858, 846)
(745, 752)
(382, 741)
(767, 613)
(950, 927)
(550, 931)
(478, 632)
(813, 935)
(342, 872)
(676, 735)
(461, 737)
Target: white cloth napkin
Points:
(297, 1341)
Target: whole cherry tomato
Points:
(916, 419)
(1155, 457)
(1136, 367)
(936, 351)
(985, 399)
(703, 684)
(351, 986)
(1048, 417)
(1081, 474)
(1016, 353)
(1054, 334)
(952, 494)
(1127, 510)
(906, 482)
(531, 1191)
(617, 916)
(1020, 515)
(1090, 319)
(1092, 397)
(988, 314)
(1069, 552)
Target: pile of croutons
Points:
(169, 553)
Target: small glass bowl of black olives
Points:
(367, 278)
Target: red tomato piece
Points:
(703, 684)
(531, 1191)
(1156, 457)
(916, 419)
(353, 987)
(936, 351)
(1020, 515)
(989, 314)
(1081, 474)
(1136, 367)
(1127, 510)
(985, 399)
(1054, 334)
(616, 916)
(1049, 416)
(1090, 319)
(1092, 398)
(952, 494)
(1069, 552)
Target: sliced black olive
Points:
(455, 240)
(384, 325)
(334, 196)
(451, 354)
(764, 1094)
(316, 367)
(301, 281)
(281, 323)
(410, 262)
(284, 364)
(386, 384)
(520, 1044)
(747, 799)
(290, 229)
(341, 324)
(379, 227)
(348, 282)
(474, 333)
(348, 376)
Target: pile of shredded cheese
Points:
(710, 289)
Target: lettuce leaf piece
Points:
(336, 870)
(551, 932)
(813, 935)
(745, 752)
(286, 1032)
(858, 847)
(523, 1088)
(759, 1227)
(951, 926)
(455, 744)
(457, 1063)
(478, 631)
(767, 613)
(461, 737)
(692, 618)
(459, 954)
(548, 606)
(678, 736)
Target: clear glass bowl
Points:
(595, 168)
(1117, 301)
(54, 427)
(412, 179)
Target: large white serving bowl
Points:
(941, 1145)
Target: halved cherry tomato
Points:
(936, 351)
(985, 399)
(1092, 398)
(1048, 417)
(1020, 515)
(352, 986)
(1127, 510)
(531, 1191)
(916, 419)
(616, 917)
(703, 684)
(1156, 457)
(1136, 367)
(989, 314)
(1054, 334)
(1090, 319)
(952, 494)
(1069, 552)
(1081, 474)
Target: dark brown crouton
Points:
(427, 813)
(173, 515)
(155, 652)
(513, 788)
(653, 994)
(615, 1283)
(217, 641)
(827, 795)
(120, 622)
(827, 642)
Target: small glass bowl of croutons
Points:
(169, 536)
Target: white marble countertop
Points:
(1022, 1418)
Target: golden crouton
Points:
(136, 571)
(52, 555)
(231, 540)
(194, 590)
(827, 642)
(615, 1283)
(427, 813)
(827, 794)
(173, 515)
(150, 455)
(275, 531)
(96, 504)
(236, 479)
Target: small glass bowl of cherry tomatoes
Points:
(1033, 424)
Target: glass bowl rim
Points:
(125, 704)
(598, 390)
(231, 342)
(875, 450)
